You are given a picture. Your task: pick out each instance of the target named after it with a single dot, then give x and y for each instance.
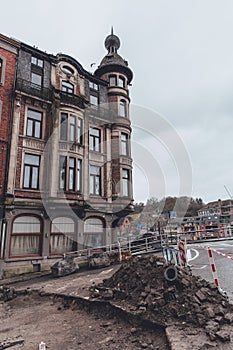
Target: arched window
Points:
(63, 237)
(93, 233)
(26, 236)
(66, 86)
(68, 70)
(122, 108)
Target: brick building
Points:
(69, 172)
(8, 61)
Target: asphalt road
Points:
(199, 261)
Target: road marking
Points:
(189, 255)
(199, 268)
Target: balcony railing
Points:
(33, 89)
(72, 99)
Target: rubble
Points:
(65, 266)
(142, 283)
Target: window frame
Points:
(124, 144)
(94, 100)
(123, 109)
(70, 174)
(121, 79)
(93, 86)
(67, 87)
(36, 74)
(30, 173)
(71, 235)
(1, 69)
(37, 61)
(95, 178)
(94, 140)
(27, 234)
(111, 78)
(80, 131)
(125, 182)
(34, 122)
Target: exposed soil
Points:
(141, 285)
(67, 327)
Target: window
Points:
(36, 79)
(68, 70)
(1, 69)
(63, 237)
(31, 171)
(94, 100)
(121, 82)
(95, 180)
(64, 127)
(122, 109)
(112, 80)
(68, 126)
(124, 144)
(34, 123)
(62, 173)
(26, 236)
(66, 86)
(37, 62)
(94, 139)
(93, 233)
(125, 182)
(72, 128)
(71, 185)
(72, 176)
(79, 175)
(80, 131)
(93, 86)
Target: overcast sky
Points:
(181, 53)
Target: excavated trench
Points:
(68, 322)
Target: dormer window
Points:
(68, 70)
(37, 62)
(66, 86)
(93, 86)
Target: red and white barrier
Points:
(223, 254)
(213, 267)
(183, 253)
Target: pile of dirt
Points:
(142, 283)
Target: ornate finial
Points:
(112, 42)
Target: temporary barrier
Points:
(213, 267)
(183, 253)
(171, 254)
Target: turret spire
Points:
(112, 42)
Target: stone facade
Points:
(69, 173)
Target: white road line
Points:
(189, 255)
(199, 268)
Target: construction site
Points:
(141, 302)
